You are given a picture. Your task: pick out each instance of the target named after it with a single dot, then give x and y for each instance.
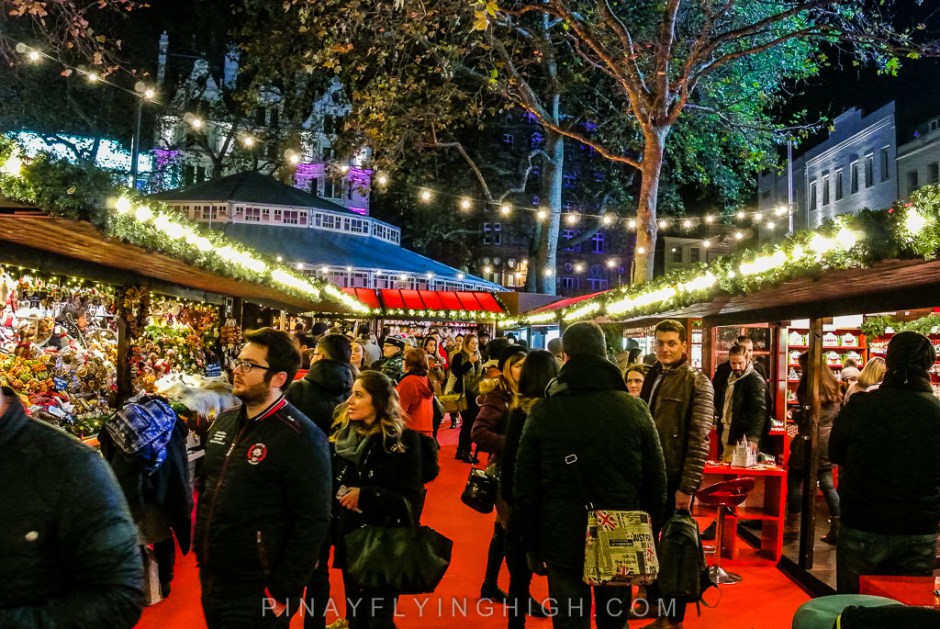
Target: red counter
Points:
(917, 591)
(767, 502)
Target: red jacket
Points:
(417, 401)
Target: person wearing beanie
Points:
(887, 445)
(587, 412)
(392, 362)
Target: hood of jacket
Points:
(585, 373)
(420, 383)
(332, 376)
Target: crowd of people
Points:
(332, 433)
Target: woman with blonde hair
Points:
(870, 377)
(377, 478)
(466, 370)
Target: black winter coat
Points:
(386, 478)
(167, 488)
(588, 412)
(749, 416)
(887, 446)
(264, 502)
(68, 546)
(327, 384)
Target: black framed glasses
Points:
(245, 366)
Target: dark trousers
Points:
(795, 482)
(318, 591)
(654, 595)
(368, 610)
(467, 418)
(571, 599)
(239, 605)
(520, 577)
(860, 552)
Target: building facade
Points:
(919, 160)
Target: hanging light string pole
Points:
(144, 93)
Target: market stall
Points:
(826, 293)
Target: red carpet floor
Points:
(765, 599)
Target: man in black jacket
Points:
(887, 445)
(327, 384)
(67, 541)
(588, 413)
(264, 503)
(744, 404)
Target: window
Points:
(290, 217)
(694, 254)
(328, 154)
(825, 190)
(933, 173)
(839, 194)
(253, 214)
(812, 195)
(313, 187)
(266, 214)
(597, 284)
(932, 126)
(869, 170)
(275, 116)
(329, 189)
(911, 181)
(598, 240)
(508, 139)
(569, 234)
(677, 254)
(487, 237)
(569, 283)
(885, 169)
(259, 116)
(349, 190)
(853, 183)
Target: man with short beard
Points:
(264, 501)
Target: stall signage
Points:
(213, 370)
(61, 384)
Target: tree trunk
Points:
(646, 228)
(550, 199)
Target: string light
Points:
(426, 195)
(505, 209)
(541, 215)
(706, 243)
(709, 219)
(687, 224)
(92, 77)
(33, 55)
(780, 211)
(608, 219)
(663, 224)
(579, 267)
(611, 263)
(465, 204)
(738, 235)
(549, 272)
(571, 218)
(740, 216)
(631, 223)
(248, 141)
(381, 179)
(641, 250)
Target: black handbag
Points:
(397, 559)
(480, 491)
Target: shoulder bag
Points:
(480, 491)
(619, 547)
(394, 560)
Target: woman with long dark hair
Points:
(830, 401)
(539, 368)
(377, 477)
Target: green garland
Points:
(874, 327)
(881, 235)
(64, 190)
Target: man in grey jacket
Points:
(681, 400)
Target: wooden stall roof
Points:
(82, 241)
(885, 286)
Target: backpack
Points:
(142, 429)
(430, 468)
(683, 573)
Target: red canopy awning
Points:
(408, 299)
(563, 303)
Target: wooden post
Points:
(123, 362)
(283, 322)
(709, 340)
(814, 364)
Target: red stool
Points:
(724, 496)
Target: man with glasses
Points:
(264, 500)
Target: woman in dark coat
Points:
(539, 368)
(466, 369)
(830, 401)
(377, 476)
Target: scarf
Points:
(729, 394)
(351, 442)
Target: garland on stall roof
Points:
(874, 327)
(906, 231)
(64, 190)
